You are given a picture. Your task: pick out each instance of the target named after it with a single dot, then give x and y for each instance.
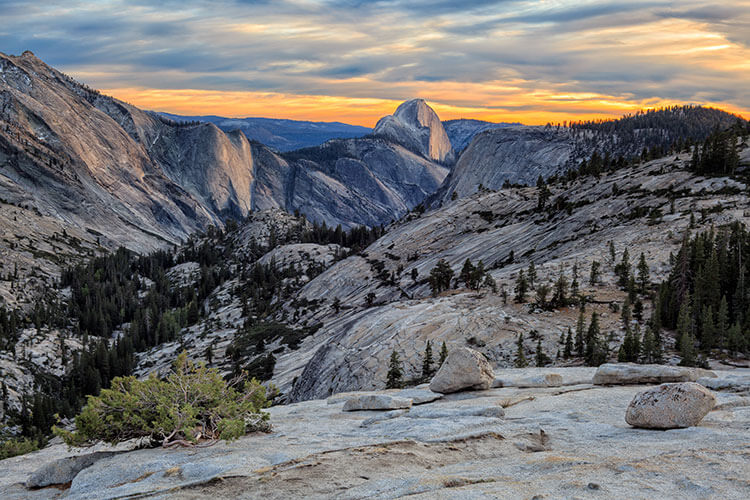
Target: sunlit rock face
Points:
(416, 126)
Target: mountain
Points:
(139, 179)
(280, 134)
(520, 154)
(416, 126)
(462, 131)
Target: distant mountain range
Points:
(280, 134)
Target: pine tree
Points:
(708, 328)
(622, 270)
(612, 255)
(427, 370)
(595, 274)
(521, 287)
(580, 333)
(467, 274)
(643, 274)
(520, 356)
(532, 277)
(593, 348)
(568, 345)
(395, 374)
(440, 277)
(574, 285)
(541, 358)
(625, 313)
(722, 323)
(649, 346)
(687, 350)
(443, 354)
(735, 339)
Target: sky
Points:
(354, 61)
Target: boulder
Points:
(376, 402)
(542, 380)
(630, 373)
(63, 471)
(463, 369)
(670, 406)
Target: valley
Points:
(128, 237)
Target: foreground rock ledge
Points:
(670, 406)
(463, 369)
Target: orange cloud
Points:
(502, 104)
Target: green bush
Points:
(17, 446)
(193, 405)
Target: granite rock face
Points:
(416, 125)
(463, 369)
(630, 373)
(670, 406)
(138, 179)
(63, 471)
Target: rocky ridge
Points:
(511, 442)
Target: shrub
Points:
(17, 446)
(193, 404)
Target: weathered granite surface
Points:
(567, 442)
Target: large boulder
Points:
(63, 471)
(630, 374)
(670, 406)
(463, 369)
(376, 402)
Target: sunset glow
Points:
(351, 61)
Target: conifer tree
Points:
(520, 361)
(395, 373)
(521, 288)
(722, 323)
(643, 274)
(580, 334)
(594, 354)
(574, 285)
(467, 274)
(735, 339)
(427, 370)
(541, 357)
(568, 344)
(443, 354)
(595, 274)
(649, 346)
(531, 275)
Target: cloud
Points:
(481, 58)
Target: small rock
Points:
(670, 406)
(419, 396)
(630, 373)
(376, 402)
(533, 442)
(471, 411)
(593, 486)
(463, 369)
(64, 470)
(546, 380)
(727, 384)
